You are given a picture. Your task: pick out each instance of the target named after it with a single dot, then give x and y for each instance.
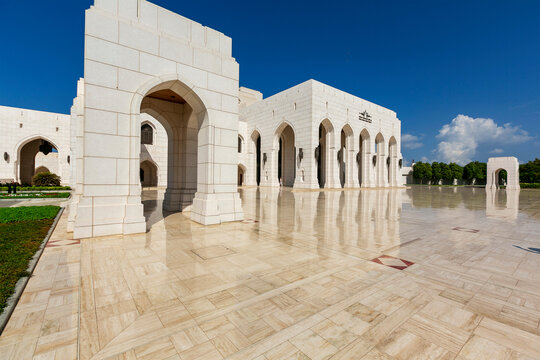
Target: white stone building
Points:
(160, 105)
(315, 136)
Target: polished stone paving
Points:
(32, 202)
(298, 279)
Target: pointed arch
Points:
(326, 147)
(329, 128)
(392, 146)
(25, 153)
(379, 144)
(284, 161)
(148, 172)
(30, 138)
(279, 131)
(185, 138)
(242, 170)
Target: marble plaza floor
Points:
(419, 273)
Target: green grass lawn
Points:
(22, 229)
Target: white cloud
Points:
(496, 151)
(410, 141)
(461, 138)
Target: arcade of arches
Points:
(373, 162)
(314, 136)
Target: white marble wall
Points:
(48, 162)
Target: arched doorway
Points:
(256, 157)
(286, 155)
(380, 161)
(326, 138)
(241, 175)
(498, 167)
(181, 120)
(148, 173)
(364, 163)
(392, 162)
(501, 176)
(27, 153)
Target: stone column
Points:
(351, 169)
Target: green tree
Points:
(46, 179)
(482, 175)
(503, 177)
(475, 171)
(457, 171)
(422, 171)
(446, 172)
(530, 172)
(436, 173)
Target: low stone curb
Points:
(21, 283)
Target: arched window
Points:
(239, 144)
(147, 134)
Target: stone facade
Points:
(407, 175)
(22, 132)
(160, 105)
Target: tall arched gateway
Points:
(285, 155)
(323, 153)
(494, 167)
(139, 53)
(26, 155)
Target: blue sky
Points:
(463, 76)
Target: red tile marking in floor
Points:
(392, 262)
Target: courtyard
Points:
(422, 272)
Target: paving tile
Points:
(313, 345)
(296, 284)
(211, 252)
